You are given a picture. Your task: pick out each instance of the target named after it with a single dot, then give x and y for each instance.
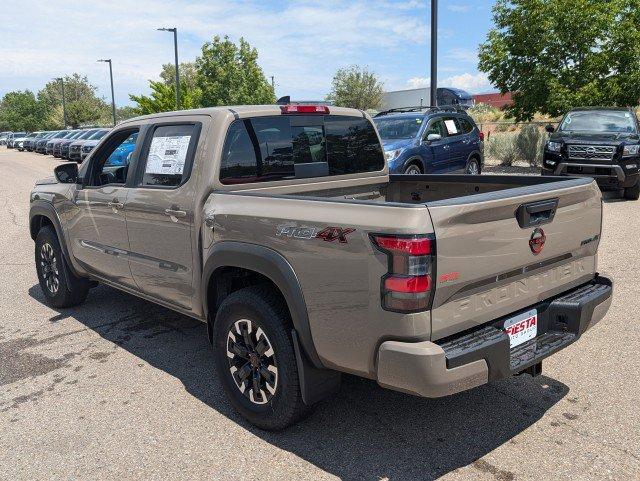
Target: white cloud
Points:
(459, 8)
(466, 55)
(472, 83)
(302, 43)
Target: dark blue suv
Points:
(430, 141)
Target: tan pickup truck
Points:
(280, 228)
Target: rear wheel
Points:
(60, 286)
(473, 167)
(255, 358)
(413, 169)
(632, 193)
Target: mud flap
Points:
(315, 384)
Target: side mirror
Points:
(66, 173)
(433, 137)
(549, 128)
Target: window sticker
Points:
(418, 121)
(451, 126)
(167, 155)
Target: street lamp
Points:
(175, 48)
(113, 98)
(434, 53)
(64, 106)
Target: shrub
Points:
(503, 148)
(529, 144)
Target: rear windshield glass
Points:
(264, 149)
(599, 121)
(398, 128)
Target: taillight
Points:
(304, 109)
(482, 136)
(408, 284)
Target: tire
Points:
(61, 288)
(473, 167)
(413, 169)
(259, 314)
(632, 193)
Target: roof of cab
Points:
(242, 111)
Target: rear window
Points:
(264, 149)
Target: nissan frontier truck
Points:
(282, 230)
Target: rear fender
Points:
(275, 267)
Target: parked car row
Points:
(74, 144)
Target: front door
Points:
(98, 224)
(160, 212)
(437, 160)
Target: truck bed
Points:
(485, 268)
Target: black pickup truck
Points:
(603, 143)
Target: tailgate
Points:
(486, 265)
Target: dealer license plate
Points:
(522, 327)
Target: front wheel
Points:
(255, 358)
(413, 169)
(473, 167)
(60, 286)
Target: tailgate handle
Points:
(536, 213)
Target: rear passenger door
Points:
(160, 211)
(470, 139)
(456, 144)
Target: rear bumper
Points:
(430, 369)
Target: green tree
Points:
(187, 74)
(558, 54)
(356, 87)
(82, 104)
(21, 111)
(126, 112)
(163, 99)
(229, 74)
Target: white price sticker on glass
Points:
(451, 127)
(167, 155)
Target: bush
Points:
(503, 147)
(529, 144)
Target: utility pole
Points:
(64, 106)
(175, 48)
(113, 98)
(434, 53)
(273, 83)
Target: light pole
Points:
(113, 98)
(175, 48)
(64, 106)
(434, 53)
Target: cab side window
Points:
(167, 157)
(110, 164)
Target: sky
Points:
(302, 43)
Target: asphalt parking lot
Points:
(119, 388)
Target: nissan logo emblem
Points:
(537, 240)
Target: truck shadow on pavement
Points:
(364, 432)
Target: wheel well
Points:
(226, 280)
(37, 223)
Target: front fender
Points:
(275, 267)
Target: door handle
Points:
(175, 213)
(115, 204)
